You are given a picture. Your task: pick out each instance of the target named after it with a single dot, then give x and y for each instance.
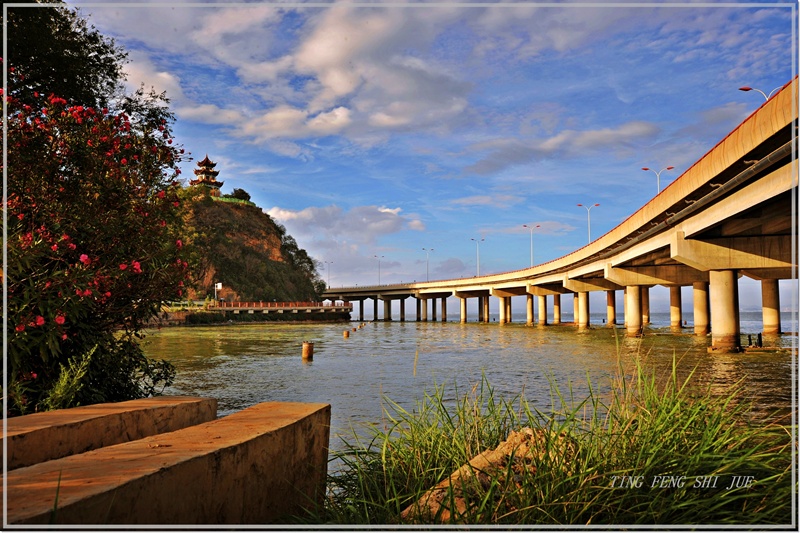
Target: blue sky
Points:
(383, 129)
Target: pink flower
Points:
(87, 292)
(20, 328)
(34, 375)
(60, 319)
(179, 244)
(54, 247)
(85, 259)
(40, 320)
(123, 266)
(160, 194)
(136, 267)
(124, 161)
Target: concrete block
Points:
(44, 436)
(256, 466)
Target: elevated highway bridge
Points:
(731, 214)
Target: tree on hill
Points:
(239, 194)
(93, 218)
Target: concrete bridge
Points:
(730, 214)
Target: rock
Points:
(524, 449)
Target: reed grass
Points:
(638, 426)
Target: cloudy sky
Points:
(389, 128)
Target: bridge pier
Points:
(463, 302)
(611, 308)
(433, 309)
(529, 309)
(556, 309)
(700, 301)
(387, 310)
(444, 309)
(361, 310)
(645, 305)
(508, 309)
(502, 309)
(724, 296)
(542, 310)
(424, 308)
(633, 311)
(583, 310)
(770, 307)
(375, 309)
(402, 309)
(675, 313)
(485, 307)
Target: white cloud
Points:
(361, 224)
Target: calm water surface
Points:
(242, 365)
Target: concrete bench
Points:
(260, 465)
(44, 436)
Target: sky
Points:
(390, 138)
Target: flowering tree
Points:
(93, 220)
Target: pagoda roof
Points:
(206, 162)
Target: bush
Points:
(93, 245)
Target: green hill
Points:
(235, 243)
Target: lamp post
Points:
(379, 257)
(589, 217)
(531, 227)
(658, 174)
(766, 97)
(478, 252)
(427, 262)
(328, 267)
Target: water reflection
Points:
(242, 365)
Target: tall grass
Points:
(638, 427)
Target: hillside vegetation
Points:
(240, 246)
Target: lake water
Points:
(241, 365)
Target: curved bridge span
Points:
(731, 214)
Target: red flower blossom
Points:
(20, 328)
(40, 320)
(136, 267)
(60, 319)
(85, 259)
(123, 266)
(179, 244)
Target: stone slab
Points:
(255, 466)
(53, 434)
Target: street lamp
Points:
(478, 252)
(531, 227)
(766, 97)
(427, 262)
(589, 217)
(658, 174)
(328, 266)
(379, 257)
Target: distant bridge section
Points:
(730, 214)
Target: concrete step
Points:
(50, 435)
(256, 466)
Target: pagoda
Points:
(207, 176)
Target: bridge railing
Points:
(280, 305)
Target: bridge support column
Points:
(611, 308)
(542, 310)
(402, 310)
(444, 309)
(463, 310)
(387, 310)
(480, 308)
(583, 309)
(433, 309)
(361, 310)
(675, 313)
(502, 309)
(485, 309)
(700, 300)
(645, 305)
(529, 309)
(419, 313)
(375, 309)
(770, 307)
(424, 309)
(556, 309)
(633, 311)
(508, 310)
(724, 295)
